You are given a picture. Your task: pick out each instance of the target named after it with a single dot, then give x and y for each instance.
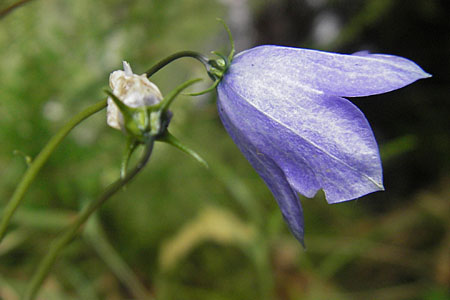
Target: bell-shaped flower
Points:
(283, 107)
(133, 90)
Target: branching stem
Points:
(39, 161)
(69, 234)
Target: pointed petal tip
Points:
(353, 195)
(421, 74)
(302, 242)
(380, 187)
(405, 61)
(127, 68)
(299, 235)
(426, 75)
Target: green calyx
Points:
(150, 122)
(217, 67)
(140, 123)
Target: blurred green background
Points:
(180, 231)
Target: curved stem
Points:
(39, 161)
(161, 64)
(12, 7)
(67, 236)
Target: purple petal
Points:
(318, 141)
(272, 175)
(361, 74)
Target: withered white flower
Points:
(133, 90)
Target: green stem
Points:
(69, 234)
(95, 234)
(40, 160)
(161, 64)
(12, 7)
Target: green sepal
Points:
(218, 67)
(167, 101)
(171, 140)
(210, 89)
(230, 37)
(124, 109)
(136, 120)
(132, 144)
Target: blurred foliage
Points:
(218, 229)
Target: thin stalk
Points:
(161, 64)
(95, 234)
(39, 161)
(69, 234)
(12, 7)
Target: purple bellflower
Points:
(283, 108)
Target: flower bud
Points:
(133, 90)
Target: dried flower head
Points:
(133, 90)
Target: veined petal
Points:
(361, 74)
(318, 141)
(272, 175)
(284, 109)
